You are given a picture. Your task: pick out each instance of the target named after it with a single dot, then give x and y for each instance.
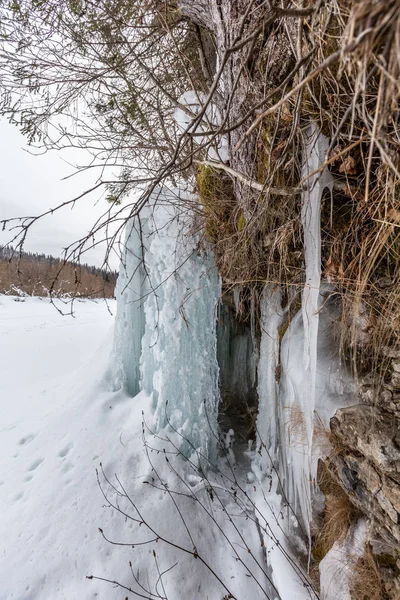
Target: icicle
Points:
(299, 345)
(236, 298)
(316, 147)
(254, 356)
(229, 443)
(129, 324)
(271, 319)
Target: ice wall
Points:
(178, 364)
(166, 324)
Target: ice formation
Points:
(181, 347)
(192, 102)
(316, 147)
(293, 416)
(166, 324)
(299, 453)
(299, 345)
(129, 324)
(271, 319)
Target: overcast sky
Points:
(30, 185)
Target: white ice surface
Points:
(333, 390)
(315, 149)
(268, 389)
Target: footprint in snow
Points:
(63, 453)
(27, 439)
(67, 466)
(35, 464)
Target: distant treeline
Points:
(40, 274)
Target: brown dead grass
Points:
(296, 427)
(338, 516)
(366, 581)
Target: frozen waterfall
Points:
(294, 414)
(168, 295)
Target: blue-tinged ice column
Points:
(179, 363)
(166, 324)
(129, 324)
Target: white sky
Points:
(29, 185)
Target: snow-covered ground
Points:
(189, 534)
(55, 426)
(59, 420)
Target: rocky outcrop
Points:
(366, 464)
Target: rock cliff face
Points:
(366, 463)
(366, 437)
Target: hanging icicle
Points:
(299, 345)
(268, 416)
(129, 324)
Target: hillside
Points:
(40, 275)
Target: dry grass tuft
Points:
(338, 516)
(366, 581)
(249, 249)
(355, 102)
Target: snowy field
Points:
(52, 434)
